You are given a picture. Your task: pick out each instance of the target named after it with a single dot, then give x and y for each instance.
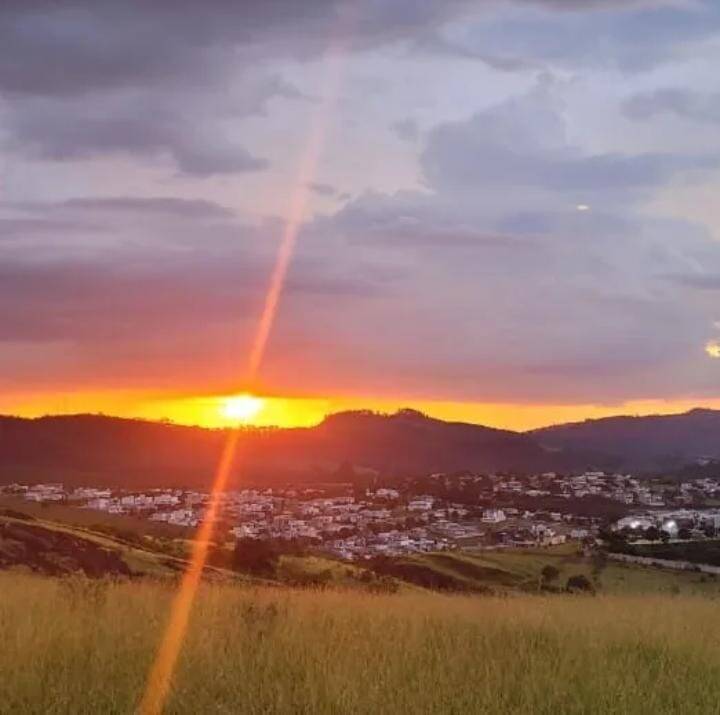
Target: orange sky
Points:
(211, 410)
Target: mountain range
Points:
(94, 449)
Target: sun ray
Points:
(160, 677)
(161, 674)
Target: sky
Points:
(500, 211)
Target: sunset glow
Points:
(297, 293)
(242, 408)
(218, 411)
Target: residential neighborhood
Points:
(432, 513)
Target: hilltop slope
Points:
(58, 548)
(92, 449)
(651, 442)
(132, 453)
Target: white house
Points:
(493, 516)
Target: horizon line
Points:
(249, 427)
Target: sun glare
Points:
(243, 408)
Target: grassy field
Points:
(510, 570)
(85, 647)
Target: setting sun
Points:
(242, 408)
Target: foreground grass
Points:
(85, 647)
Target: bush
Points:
(652, 533)
(255, 556)
(549, 574)
(579, 584)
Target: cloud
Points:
(436, 43)
(170, 81)
(322, 189)
(65, 49)
(124, 281)
(486, 283)
(515, 158)
(406, 129)
(514, 294)
(163, 206)
(133, 125)
(629, 37)
(685, 103)
(93, 45)
(700, 280)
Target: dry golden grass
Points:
(85, 647)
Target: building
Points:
(493, 516)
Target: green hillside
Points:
(59, 540)
(54, 548)
(502, 571)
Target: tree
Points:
(652, 533)
(549, 574)
(599, 562)
(256, 556)
(617, 541)
(579, 584)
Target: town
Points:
(433, 513)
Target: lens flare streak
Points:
(160, 678)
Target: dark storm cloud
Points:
(76, 47)
(86, 45)
(85, 79)
(88, 78)
(134, 125)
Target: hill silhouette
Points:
(83, 449)
(109, 450)
(646, 443)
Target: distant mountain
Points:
(92, 449)
(656, 442)
(97, 449)
(411, 441)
